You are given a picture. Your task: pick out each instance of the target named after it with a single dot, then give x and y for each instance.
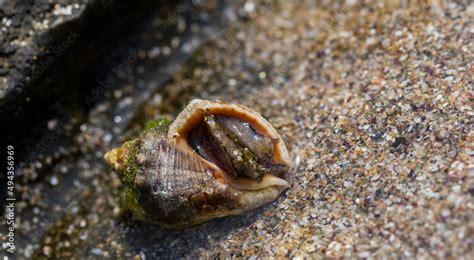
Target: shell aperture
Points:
(235, 146)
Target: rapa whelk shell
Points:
(215, 159)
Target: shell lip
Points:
(196, 111)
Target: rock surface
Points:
(376, 100)
(50, 50)
(28, 33)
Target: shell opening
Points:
(235, 146)
(242, 147)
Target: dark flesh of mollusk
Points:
(235, 147)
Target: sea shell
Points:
(216, 159)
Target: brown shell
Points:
(178, 188)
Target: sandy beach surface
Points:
(375, 101)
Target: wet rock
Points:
(45, 44)
(50, 61)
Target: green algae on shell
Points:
(192, 170)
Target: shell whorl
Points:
(175, 184)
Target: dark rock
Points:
(60, 31)
(39, 69)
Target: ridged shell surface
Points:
(175, 184)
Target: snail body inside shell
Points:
(235, 146)
(215, 159)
